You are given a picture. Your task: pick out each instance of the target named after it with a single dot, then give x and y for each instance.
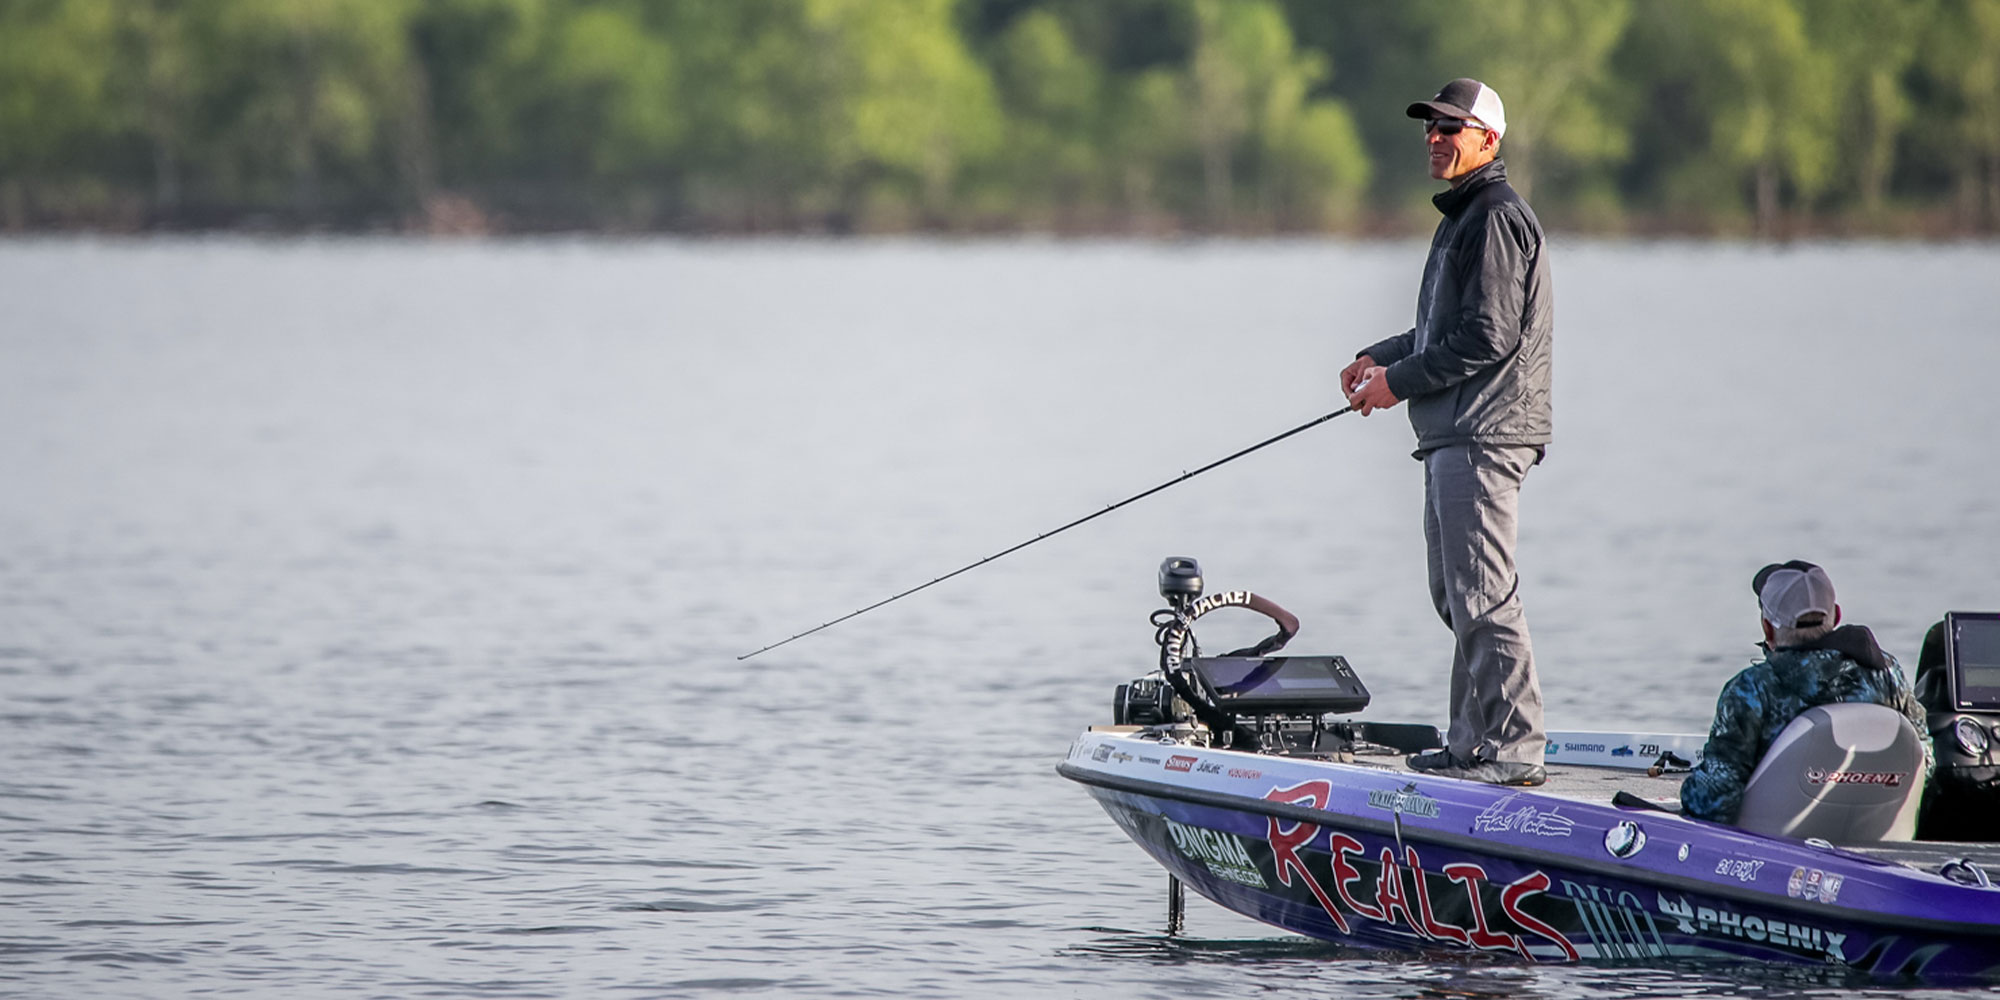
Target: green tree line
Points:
(1075, 116)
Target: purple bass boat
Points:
(1236, 775)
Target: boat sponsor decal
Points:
(1504, 815)
(1740, 869)
(1179, 762)
(1102, 753)
(1708, 921)
(1402, 894)
(1171, 656)
(1616, 922)
(1813, 884)
(1822, 776)
(1143, 759)
(1405, 800)
(1246, 773)
(1223, 854)
(1208, 767)
(1625, 750)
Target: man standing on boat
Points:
(1475, 370)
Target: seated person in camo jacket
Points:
(1809, 659)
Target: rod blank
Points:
(1183, 477)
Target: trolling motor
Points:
(1247, 699)
(1154, 700)
(1175, 694)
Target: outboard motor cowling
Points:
(1847, 773)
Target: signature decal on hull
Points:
(1504, 815)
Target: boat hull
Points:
(1385, 859)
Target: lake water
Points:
(370, 610)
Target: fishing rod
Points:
(1184, 477)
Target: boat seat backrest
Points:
(1848, 773)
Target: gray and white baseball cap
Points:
(1790, 593)
(1465, 98)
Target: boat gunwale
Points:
(1467, 842)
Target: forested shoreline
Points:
(1773, 118)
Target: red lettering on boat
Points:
(1510, 902)
(1338, 847)
(1389, 893)
(1285, 843)
(1482, 936)
(1431, 926)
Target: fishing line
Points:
(1184, 477)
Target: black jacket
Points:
(1475, 368)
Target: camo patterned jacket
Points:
(1760, 701)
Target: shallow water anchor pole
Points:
(1176, 904)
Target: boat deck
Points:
(1585, 784)
(1574, 781)
(1926, 854)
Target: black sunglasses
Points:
(1451, 126)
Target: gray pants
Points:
(1471, 495)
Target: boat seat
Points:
(1847, 773)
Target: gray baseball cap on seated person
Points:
(1794, 594)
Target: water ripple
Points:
(343, 868)
(370, 608)
(119, 958)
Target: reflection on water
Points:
(1307, 967)
(1165, 949)
(369, 610)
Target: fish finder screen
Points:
(1975, 660)
(1283, 683)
